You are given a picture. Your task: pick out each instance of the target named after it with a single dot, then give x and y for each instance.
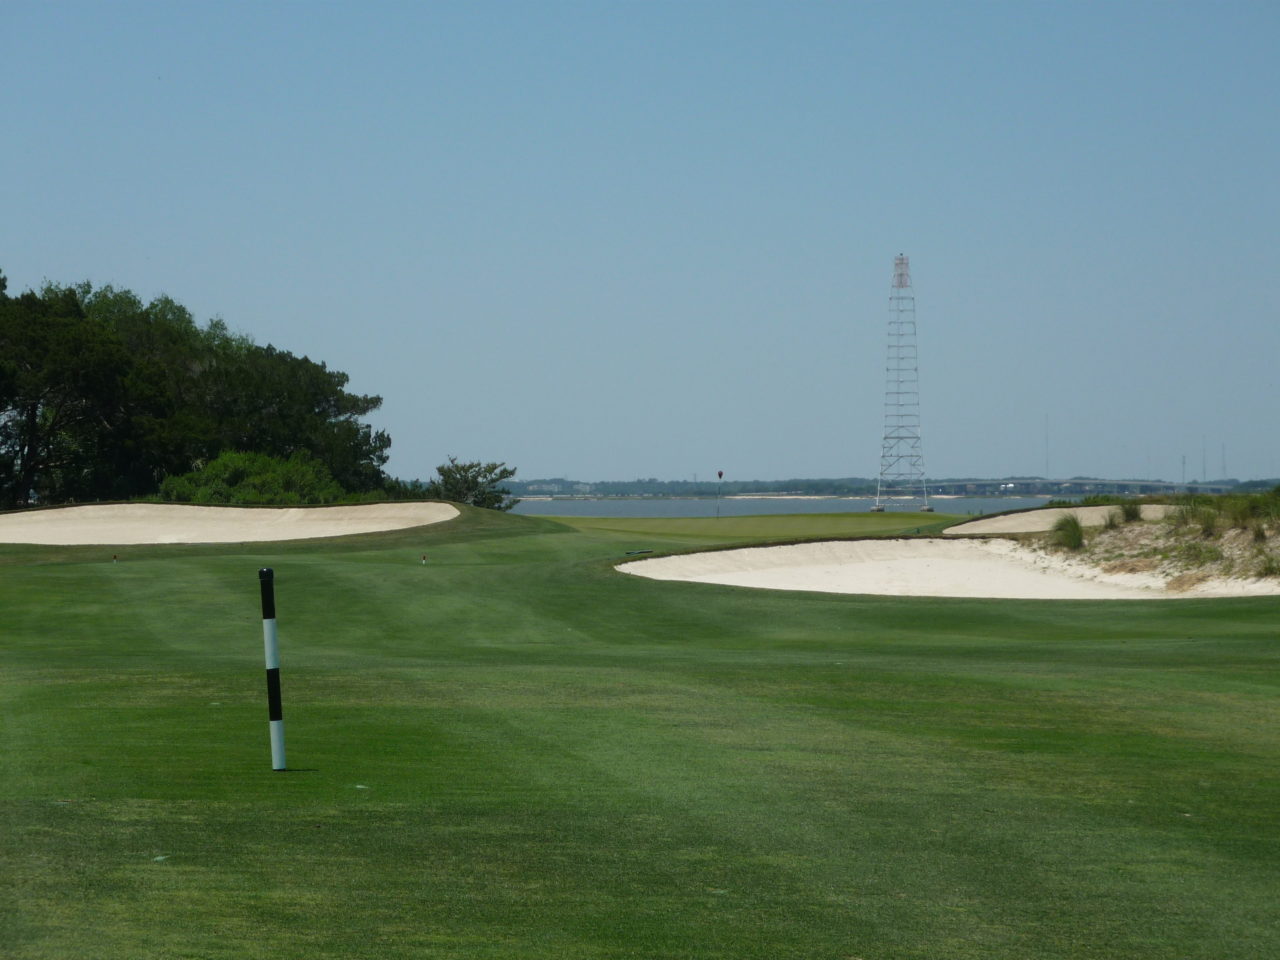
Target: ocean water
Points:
(748, 506)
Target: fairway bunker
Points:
(152, 523)
(927, 567)
(1043, 519)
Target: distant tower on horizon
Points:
(901, 482)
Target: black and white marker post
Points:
(266, 578)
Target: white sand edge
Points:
(1042, 521)
(1000, 569)
(138, 523)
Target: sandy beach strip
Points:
(139, 523)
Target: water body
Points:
(749, 506)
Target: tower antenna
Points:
(901, 482)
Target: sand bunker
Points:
(926, 568)
(134, 523)
(1042, 521)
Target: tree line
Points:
(103, 397)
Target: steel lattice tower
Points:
(901, 481)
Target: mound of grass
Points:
(1207, 519)
(1067, 532)
(1239, 511)
(1182, 516)
(1197, 553)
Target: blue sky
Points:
(619, 240)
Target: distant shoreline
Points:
(758, 496)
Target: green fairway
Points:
(513, 751)
(702, 531)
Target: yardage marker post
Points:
(275, 722)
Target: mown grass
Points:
(514, 751)
(770, 527)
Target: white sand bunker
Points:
(134, 523)
(1042, 521)
(925, 568)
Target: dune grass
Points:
(1067, 532)
(513, 751)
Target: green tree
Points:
(271, 401)
(103, 396)
(61, 392)
(474, 483)
(168, 427)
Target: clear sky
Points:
(633, 239)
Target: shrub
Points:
(475, 483)
(254, 478)
(1269, 507)
(1113, 520)
(1207, 518)
(1239, 511)
(1180, 516)
(1067, 532)
(1198, 554)
(1130, 511)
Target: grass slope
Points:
(513, 751)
